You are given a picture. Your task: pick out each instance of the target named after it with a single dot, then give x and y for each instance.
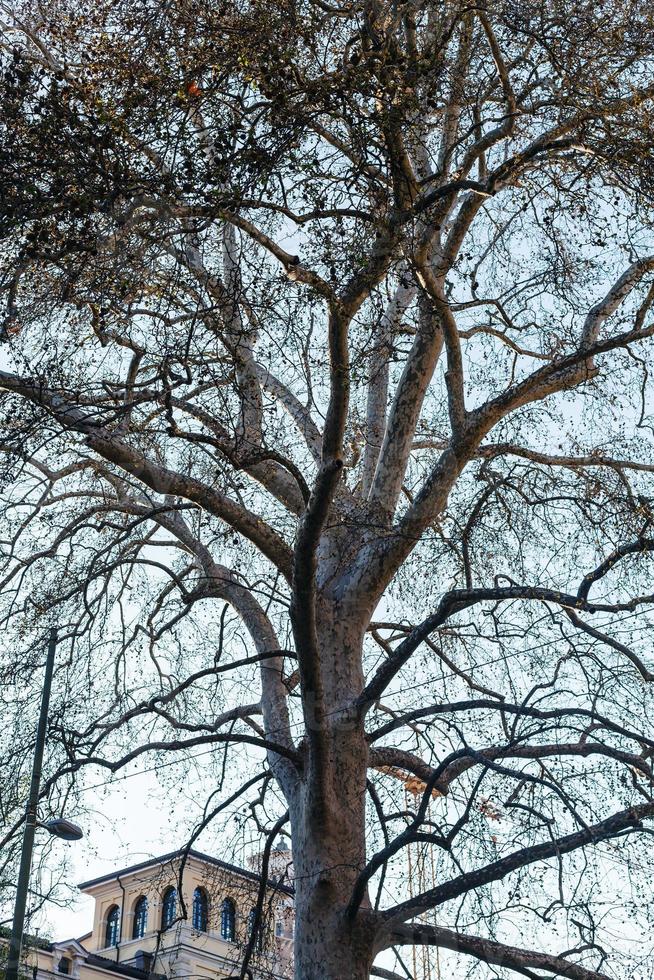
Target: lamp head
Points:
(65, 829)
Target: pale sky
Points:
(130, 825)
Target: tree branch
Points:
(626, 820)
(489, 951)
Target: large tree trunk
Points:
(327, 858)
(328, 818)
(327, 948)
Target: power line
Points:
(142, 772)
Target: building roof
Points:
(122, 968)
(164, 858)
(34, 942)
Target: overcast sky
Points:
(130, 825)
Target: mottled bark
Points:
(328, 811)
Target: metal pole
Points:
(16, 941)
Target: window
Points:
(140, 918)
(252, 915)
(168, 908)
(228, 921)
(111, 933)
(64, 965)
(200, 910)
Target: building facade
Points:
(182, 916)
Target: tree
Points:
(330, 322)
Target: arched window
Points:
(140, 918)
(200, 910)
(228, 921)
(168, 907)
(111, 933)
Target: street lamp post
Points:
(58, 827)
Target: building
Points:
(147, 925)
